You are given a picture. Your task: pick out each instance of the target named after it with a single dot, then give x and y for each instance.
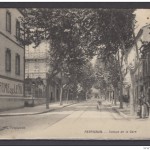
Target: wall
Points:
(11, 85)
(35, 69)
(34, 102)
(11, 88)
(4, 44)
(8, 40)
(36, 60)
(15, 15)
(7, 103)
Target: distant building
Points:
(37, 66)
(36, 60)
(11, 59)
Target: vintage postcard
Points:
(74, 73)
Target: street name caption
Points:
(111, 131)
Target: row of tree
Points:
(75, 36)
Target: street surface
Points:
(77, 121)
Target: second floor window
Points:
(8, 60)
(17, 29)
(17, 64)
(8, 21)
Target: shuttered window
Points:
(8, 60)
(18, 30)
(8, 21)
(17, 64)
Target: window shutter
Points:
(8, 60)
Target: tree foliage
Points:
(115, 29)
(68, 31)
(86, 77)
(76, 35)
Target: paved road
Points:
(78, 121)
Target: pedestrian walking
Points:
(99, 105)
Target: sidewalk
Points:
(40, 109)
(125, 112)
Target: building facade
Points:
(37, 66)
(136, 80)
(11, 59)
(36, 60)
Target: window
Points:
(36, 66)
(8, 21)
(8, 60)
(17, 64)
(17, 30)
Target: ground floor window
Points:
(17, 64)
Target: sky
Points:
(142, 18)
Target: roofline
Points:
(21, 12)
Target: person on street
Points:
(143, 108)
(139, 108)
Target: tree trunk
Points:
(121, 91)
(86, 95)
(115, 96)
(136, 46)
(121, 80)
(47, 93)
(61, 91)
(132, 96)
(132, 102)
(55, 95)
(121, 88)
(105, 94)
(109, 94)
(67, 95)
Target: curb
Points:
(124, 115)
(121, 113)
(36, 113)
(24, 114)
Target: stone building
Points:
(11, 59)
(37, 66)
(36, 60)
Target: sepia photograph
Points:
(74, 73)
